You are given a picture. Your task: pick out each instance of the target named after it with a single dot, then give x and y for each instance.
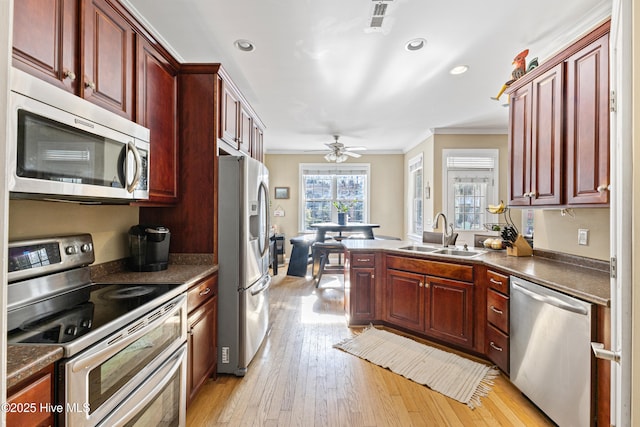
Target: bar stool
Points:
(320, 252)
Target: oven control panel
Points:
(35, 257)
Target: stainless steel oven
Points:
(124, 344)
(61, 146)
(97, 381)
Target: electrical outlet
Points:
(583, 236)
(225, 354)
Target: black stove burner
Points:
(94, 306)
(127, 293)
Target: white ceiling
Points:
(316, 71)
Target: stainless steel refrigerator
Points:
(243, 259)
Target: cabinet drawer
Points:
(363, 260)
(498, 310)
(498, 281)
(202, 292)
(497, 348)
(432, 268)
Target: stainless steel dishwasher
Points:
(550, 361)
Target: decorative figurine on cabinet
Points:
(519, 70)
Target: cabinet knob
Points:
(603, 188)
(420, 284)
(90, 85)
(69, 75)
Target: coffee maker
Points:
(149, 246)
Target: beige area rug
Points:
(456, 377)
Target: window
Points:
(322, 185)
(470, 177)
(415, 195)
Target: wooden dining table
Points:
(323, 227)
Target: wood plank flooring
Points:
(298, 378)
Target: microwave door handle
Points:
(136, 177)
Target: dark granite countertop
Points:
(571, 275)
(24, 360)
(186, 274)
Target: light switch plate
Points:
(583, 236)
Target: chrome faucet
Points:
(448, 228)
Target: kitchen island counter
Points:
(576, 278)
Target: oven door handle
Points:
(148, 391)
(122, 339)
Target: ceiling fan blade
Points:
(349, 153)
(355, 148)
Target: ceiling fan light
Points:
(341, 158)
(331, 157)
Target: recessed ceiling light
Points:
(460, 69)
(415, 44)
(244, 45)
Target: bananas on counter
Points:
(497, 209)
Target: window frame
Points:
(448, 175)
(333, 170)
(415, 164)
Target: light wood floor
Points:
(298, 378)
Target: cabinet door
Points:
(107, 58)
(246, 130)
(202, 352)
(45, 34)
(405, 299)
(520, 146)
(588, 124)
(229, 116)
(35, 394)
(546, 138)
(450, 310)
(363, 296)
(256, 142)
(157, 110)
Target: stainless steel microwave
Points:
(64, 147)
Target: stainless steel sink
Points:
(453, 252)
(417, 248)
(457, 252)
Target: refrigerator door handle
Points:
(266, 283)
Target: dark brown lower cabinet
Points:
(202, 334)
(32, 395)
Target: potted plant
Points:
(342, 209)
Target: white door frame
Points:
(621, 212)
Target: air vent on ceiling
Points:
(379, 12)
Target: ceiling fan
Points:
(339, 152)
